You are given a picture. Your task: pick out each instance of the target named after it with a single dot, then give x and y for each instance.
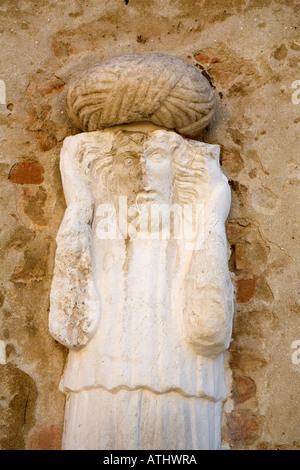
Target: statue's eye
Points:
(128, 161)
(156, 157)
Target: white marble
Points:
(142, 294)
(139, 313)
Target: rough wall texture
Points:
(250, 52)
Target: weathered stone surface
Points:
(27, 173)
(44, 437)
(17, 405)
(241, 425)
(45, 45)
(101, 302)
(245, 361)
(245, 287)
(243, 388)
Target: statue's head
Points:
(146, 168)
(153, 171)
(157, 167)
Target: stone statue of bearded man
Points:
(141, 294)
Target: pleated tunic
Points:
(139, 380)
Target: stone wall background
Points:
(250, 52)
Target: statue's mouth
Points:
(146, 197)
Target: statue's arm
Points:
(208, 285)
(74, 302)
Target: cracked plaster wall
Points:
(250, 52)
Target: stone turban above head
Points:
(156, 88)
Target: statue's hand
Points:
(74, 302)
(75, 311)
(206, 324)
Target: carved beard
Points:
(190, 176)
(150, 197)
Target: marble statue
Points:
(141, 294)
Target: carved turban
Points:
(157, 88)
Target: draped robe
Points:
(150, 376)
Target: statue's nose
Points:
(143, 174)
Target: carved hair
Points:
(189, 167)
(157, 88)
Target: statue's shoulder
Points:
(78, 150)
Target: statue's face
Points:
(144, 173)
(146, 179)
